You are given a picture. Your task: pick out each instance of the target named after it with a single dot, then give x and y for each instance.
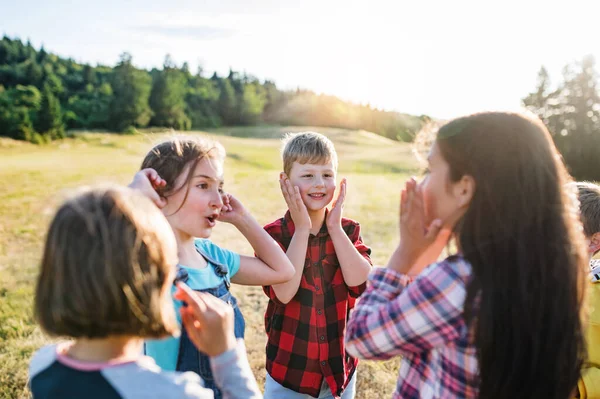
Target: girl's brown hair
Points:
(522, 237)
(108, 261)
(171, 158)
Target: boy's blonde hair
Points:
(107, 267)
(307, 147)
(589, 205)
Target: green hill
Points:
(42, 94)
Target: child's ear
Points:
(282, 175)
(464, 190)
(594, 243)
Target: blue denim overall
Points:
(190, 358)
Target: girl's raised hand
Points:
(232, 211)
(147, 181)
(417, 239)
(293, 199)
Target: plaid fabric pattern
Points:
(306, 336)
(421, 320)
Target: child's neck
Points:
(118, 348)
(186, 251)
(317, 218)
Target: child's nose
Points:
(217, 201)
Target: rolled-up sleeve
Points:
(233, 374)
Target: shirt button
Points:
(319, 311)
(317, 287)
(323, 363)
(322, 338)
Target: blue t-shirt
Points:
(165, 351)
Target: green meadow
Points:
(35, 179)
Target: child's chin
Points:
(204, 233)
(316, 208)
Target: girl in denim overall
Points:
(189, 358)
(184, 177)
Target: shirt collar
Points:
(291, 228)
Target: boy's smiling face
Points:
(316, 183)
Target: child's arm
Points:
(397, 317)
(355, 268)
(299, 244)
(271, 266)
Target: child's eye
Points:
(203, 186)
(307, 176)
(221, 191)
(327, 175)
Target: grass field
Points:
(34, 180)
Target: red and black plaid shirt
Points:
(306, 336)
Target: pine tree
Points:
(537, 101)
(167, 98)
(131, 88)
(251, 104)
(227, 103)
(572, 115)
(579, 134)
(49, 118)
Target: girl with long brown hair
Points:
(501, 317)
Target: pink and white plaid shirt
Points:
(421, 320)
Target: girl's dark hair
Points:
(523, 239)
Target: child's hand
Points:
(334, 217)
(147, 181)
(207, 320)
(232, 211)
(293, 199)
(420, 245)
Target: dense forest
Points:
(42, 95)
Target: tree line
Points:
(42, 95)
(571, 110)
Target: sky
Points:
(443, 58)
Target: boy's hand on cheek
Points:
(293, 199)
(334, 217)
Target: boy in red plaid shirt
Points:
(306, 316)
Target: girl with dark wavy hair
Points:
(502, 317)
